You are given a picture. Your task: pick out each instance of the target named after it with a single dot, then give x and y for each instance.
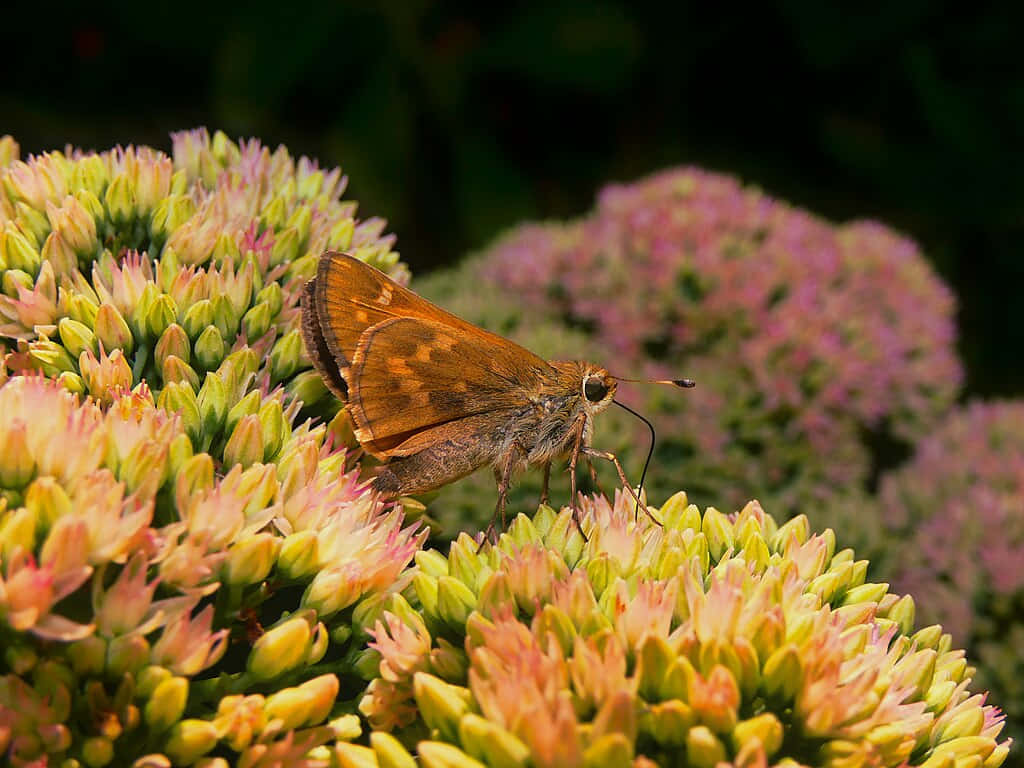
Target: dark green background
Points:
(456, 120)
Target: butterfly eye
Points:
(594, 389)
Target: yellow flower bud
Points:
(189, 740)
(441, 704)
(167, 703)
(280, 649)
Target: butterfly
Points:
(435, 398)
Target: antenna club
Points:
(685, 383)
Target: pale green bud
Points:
(225, 249)
(17, 252)
(210, 348)
(198, 318)
(301, 220)
(491, 743)
(280, 649)
(167, 704)
(119, 200)
(783, 673)
(17, 466)
(609, 749)
(441, 704)
(225, 317)
(90, 174)
(97, 751)
(47, 500)
(173, 341)
(127, 654)
(169, 214)
(87, 656)
(148, 678)
(190, 740)
(274, 215)
(455, 601)
(213, 406)
(245, 446)
(299, 555)
(32, 222)
(668, 722)
(174, 369)
(76, 337)
(285, 247)
(307, 704)
(112, 331)
(286, 356)
(307, 387)
(718, 531)
(427, 592)
(12, 278)
(247, 406)
(798, 527)
(341, 235)
(330, 591)
(17, 529)
(250, 559)
(160, 315)
(390, 752)
(50, 358)
(766, 728)
(703, 748)
(72, 382)
(256, 321)
(83, 309)
(179, 397)
(275, 428)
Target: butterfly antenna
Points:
(681, 383)
(650, 451)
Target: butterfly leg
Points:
(503, 476)
(574, 458)
(593, 477)
(544, 497)
(622, 476)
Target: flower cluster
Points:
(133, 582)
(183, 272)
(704, 640)
(803, 337)
(957, 510)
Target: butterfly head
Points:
(598, 388)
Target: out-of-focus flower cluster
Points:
(710, 639)
(957, 511)
(149, 606)
(130, 265)
(803, 337)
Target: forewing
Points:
(410, 375)
(350, 296)
(320, 353)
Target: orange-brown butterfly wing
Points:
(350, 296)
(410, 376)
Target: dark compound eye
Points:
(594, 389)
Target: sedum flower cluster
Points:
(153, 608)
(701, 640)
(957, 509)
(182, 271)
(807, 341)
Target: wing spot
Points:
(423, 353)
(361, 316)
(385, 295)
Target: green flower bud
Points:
(718, 531)
(167, 703)
(17, 252)
(272, 296)
(173, 341)
(438, 754)
(174, 369)
(286, 356)
(213, 406)
(190, 740)
(245, 446)
(256, 321)
(330, 591)
(285, 247)
(798, 527)
(703, 749)
(160, 315)
(47, 500)
(928, 637)
(275, 428)
(170, 213)
(119, 200)
(210, 349)
(198, 318)
(280, 649)
(143, 469)
(783, 673)
(299, 556)
(76, 337)
(148, 679)
(441, 704)
(341, 235)
(247, 406)
(668, 722)
(274, 215)
(903, 613)
(766, 728)
(82, 309)
(97, 751)
(307, 704)
(72, 382)
(390, 752)
(179, 397)
(653, 662)
(427, 592)
(12, 278)
(90, 174)
(112, 331)
(17, 466)
(50, 358)
(225, 250)
(432, 562)
(87, 656)
(224, 317)
(609, 749)
(17, 529)
(250, 559)
(455, 601)
(491, 743)
(76, 225)
(20, 659)
(307, 387)
(127, 654)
